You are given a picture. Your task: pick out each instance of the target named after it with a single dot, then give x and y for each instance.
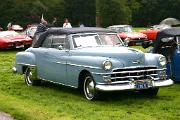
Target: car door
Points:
(52, 65)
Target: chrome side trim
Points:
(26, 64)
(92, 67)
(64, 63)
(56, 82)
(131, 85)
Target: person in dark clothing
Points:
(41, 28)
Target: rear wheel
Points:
(89, 88)
(30, 76)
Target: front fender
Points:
(152, 59)
(92, 64)
(24, 59)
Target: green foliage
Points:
(55, 102)
(27, 11)
(113, 12)
(80, 11)
(153, 12)
(136, 12)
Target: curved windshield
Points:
(125, 29)
(92, 40)
(8, 34)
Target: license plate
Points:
(19, 46)
(141, 85)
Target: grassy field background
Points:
(55, 102)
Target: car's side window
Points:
(47, 42)
(59, 42)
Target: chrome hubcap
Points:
(28, 76)
(89, 88)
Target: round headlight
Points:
(107, 65)
(162, 60)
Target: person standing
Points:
(67, 24)
(54, 22)
(41, 28)
(9, 26)
(81, 24)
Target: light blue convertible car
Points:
(93, 60)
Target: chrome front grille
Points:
(138, 73)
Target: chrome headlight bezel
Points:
(162, 61)
(107, 65)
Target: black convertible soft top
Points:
(171, 32)
(62, 31)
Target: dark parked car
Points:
(93, 60)
(167, 43)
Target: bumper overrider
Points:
(134, 78)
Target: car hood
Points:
(132, 35)
(128, 56)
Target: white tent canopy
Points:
(170, 21)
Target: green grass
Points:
(56, 102)
(139, 28)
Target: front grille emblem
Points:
(136, 62)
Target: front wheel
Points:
(30, 77)
(89, 88)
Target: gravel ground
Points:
(5, 116)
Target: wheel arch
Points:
(81, 78)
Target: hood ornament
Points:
(136, 62)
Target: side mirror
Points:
(146, 44)
(126, 41)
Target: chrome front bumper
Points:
(131, 86)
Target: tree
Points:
(113, 12)
(80, 10)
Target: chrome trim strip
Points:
(118, 82)
(92, 67)
(131, 86)
(26, 64)
(57, 82)
(64, 63)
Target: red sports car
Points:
(152, 32)
(125, 31)
(12, 39)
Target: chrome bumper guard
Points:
(131, 86)
(14, 70)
